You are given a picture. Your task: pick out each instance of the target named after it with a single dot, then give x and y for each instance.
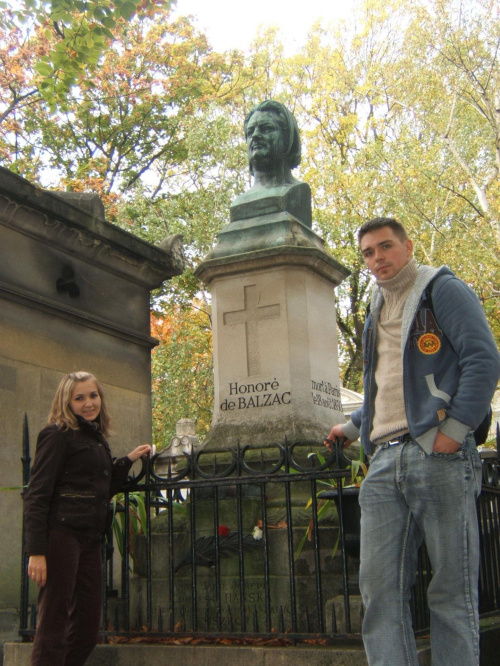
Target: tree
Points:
(461, 67)
(79, 33)
(449, 144)
(379, 102)
(18, 93)
(182, 370)
(398, 116)
(129, 123)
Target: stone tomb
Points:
(74, 295)
(229, 581)
(276, 375)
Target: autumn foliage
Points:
(182, 370)
(398, 111)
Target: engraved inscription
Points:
(327, 395)
(260, 394)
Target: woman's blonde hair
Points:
(60, 412)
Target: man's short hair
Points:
(380, 222)
(288, 124)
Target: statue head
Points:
(272, 138)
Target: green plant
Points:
(136, 518)
(358, 469)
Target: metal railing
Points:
(489, 521)
(229, 551)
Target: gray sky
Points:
(232, 24)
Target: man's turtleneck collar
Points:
(402, 281)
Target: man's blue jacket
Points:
(451, 363)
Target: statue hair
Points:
(288, 124)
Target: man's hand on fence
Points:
(337, 432)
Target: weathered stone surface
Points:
(17, 654)
(74, 295)
(290, 198)
(275, 238)
(48, 216)
(275, 347)
(91, 203)
(9, 627)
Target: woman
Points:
(66, 509)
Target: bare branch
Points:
(59, 30)
(16, 102)
(452, 116)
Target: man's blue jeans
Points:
(409, 496)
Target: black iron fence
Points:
(250, 545)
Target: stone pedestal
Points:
(274, 333)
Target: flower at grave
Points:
(206, 548)
(257, 533)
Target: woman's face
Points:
(85, 400)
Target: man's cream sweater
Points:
(390, 415)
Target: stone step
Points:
(18, 654)
(348, 654)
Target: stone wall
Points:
(74, 295)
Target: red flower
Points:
(223, 530)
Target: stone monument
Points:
(272, 284)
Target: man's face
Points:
(265, 141)
(384, 253)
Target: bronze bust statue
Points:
(274, 149)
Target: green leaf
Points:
(44, 68)
(301, 545)
(126, 10)
(141, 505)
(108, 22)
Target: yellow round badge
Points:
(428, 343)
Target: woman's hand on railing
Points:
(142, 451)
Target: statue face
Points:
(265, 141)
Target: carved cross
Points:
(251, 314)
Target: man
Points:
(431, 367)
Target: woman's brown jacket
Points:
(72, 480)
